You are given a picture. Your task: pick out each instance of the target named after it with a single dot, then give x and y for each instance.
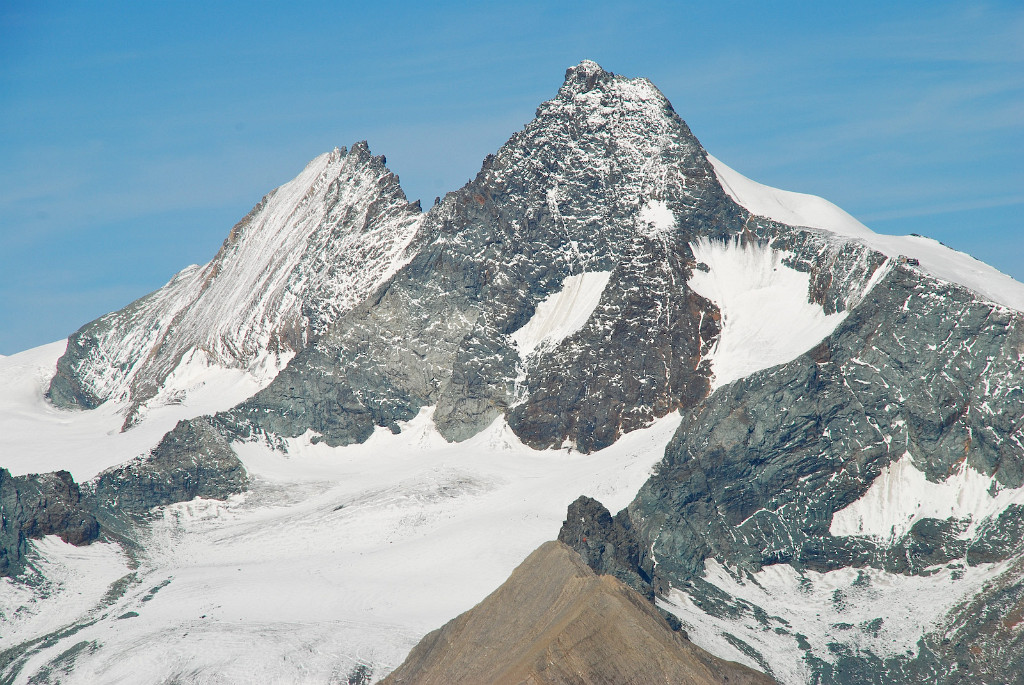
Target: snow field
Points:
(36, 437)
(867, 609)
(561, 313)
(901, 495)
(79, 576)
(766, 317)
(340, 554)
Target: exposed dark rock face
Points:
(193, 460)
(757, 471)
(36, 505)
(608, 545)
(765, 462)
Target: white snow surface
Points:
(842, 605)
(657, 217)
(901, 495)
(561, 313)
(36, 437)
(766, 316)
(336, 556)
(80, 576)
(798, 209)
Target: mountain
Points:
(555, 621)
(310, 250)
(356, 421)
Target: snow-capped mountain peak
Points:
(308, 252)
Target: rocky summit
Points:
(555, 621)
(357, 419)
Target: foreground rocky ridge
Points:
(554, 621)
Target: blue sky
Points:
(134, 135)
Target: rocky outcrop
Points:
(762, 465)
(760, 472)
(607, 544)
(193, 460)
(36, 505)
(554, 621)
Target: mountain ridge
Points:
(307, 251)
(555, 621)
(596, 281)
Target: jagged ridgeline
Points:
(843, 501)
(554, 221)
(309, 251)
(600, 196)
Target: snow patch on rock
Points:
(562, 313)
(902, 495)
(874, 611)
(656, 217)
(767, 319)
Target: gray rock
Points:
(756, 471)
(36, 505)
(193, 460)
(560, 198)
(607, 544)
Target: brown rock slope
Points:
(554, 621)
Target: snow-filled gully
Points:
(767, 318)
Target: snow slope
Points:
(901, 495)
(766, 318)
(798, 209)
(311, 250)
(36, 437)
(336, 556)
(868, 609)
(561, 313)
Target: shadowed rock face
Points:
(607, 544)
(36, 505)
(554, 621)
